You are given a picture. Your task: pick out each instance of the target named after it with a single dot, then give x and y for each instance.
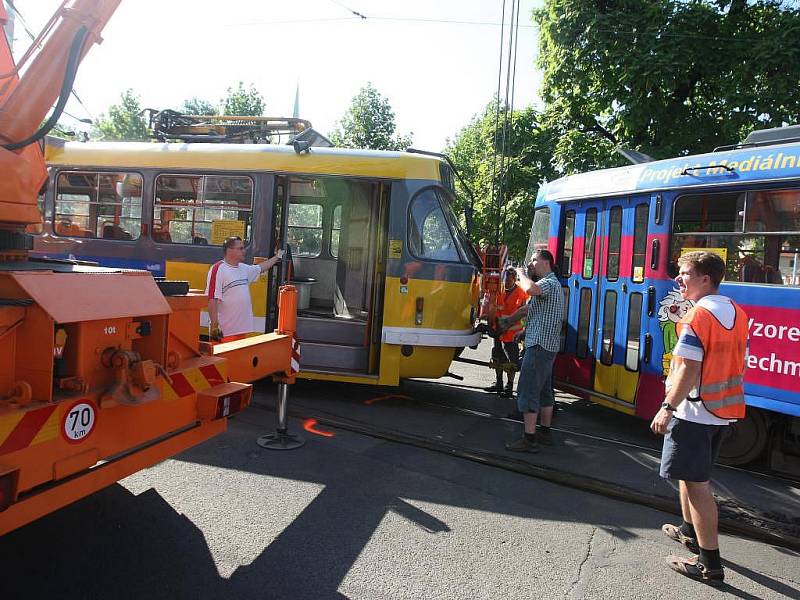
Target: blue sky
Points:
(434, 63)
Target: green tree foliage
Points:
(242, 101)
(124, 120)
(665, 77)
(504, 178)
(198, 106)
(369, 123)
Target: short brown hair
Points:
(229, 242)
(544, 254)
(705, 263)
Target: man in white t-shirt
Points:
(228, 287)
(704, 394)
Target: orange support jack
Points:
(287, 325)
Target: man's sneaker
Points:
(694, 569)
(493, 389)
(506, 393)
(544, 437)
(523, 444)
(674, 532)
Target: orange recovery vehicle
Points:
(101, 371)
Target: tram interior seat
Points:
(115, 232)
(69, 228)
(160, 235)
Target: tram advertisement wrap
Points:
(774, 353)
(774, 350)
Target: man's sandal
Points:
(694, 569)
(674, 532)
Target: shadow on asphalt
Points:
(759, 578)
(115, 544)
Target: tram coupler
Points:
(281, 439)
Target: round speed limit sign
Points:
(79, 421)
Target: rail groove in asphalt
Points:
(586, 483)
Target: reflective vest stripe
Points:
(726, 401)
(714, 388)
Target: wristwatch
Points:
(667, 406)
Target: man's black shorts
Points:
(690, 450)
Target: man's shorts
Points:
(690, 450)
(535, 387)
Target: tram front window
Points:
(429, 235)
(540, 232)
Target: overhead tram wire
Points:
(495, 203)
(509, 113)
(348, 9)
(502, 174)
(501, 145)
(513, 85)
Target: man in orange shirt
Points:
(505, 354)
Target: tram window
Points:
(584, 319)
(540, 232)
(614, 243)
(709, 212)
(634, 332)
(609, 323)
(98, 205)
(429, 235)
(773, 210)
(187, 207)
(589, 243)
(565, 319)
(640, 242)
(336, 229)
(304, 232)
(760, 243)
(568, 241)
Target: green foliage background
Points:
(369, 123)
(667, 78)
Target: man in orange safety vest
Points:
(704, 394)
(505, 353)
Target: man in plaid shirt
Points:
(545, 311)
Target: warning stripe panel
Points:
(186, 383)
(181, 385)
(212, 375)
(49, 430)
(28, 428)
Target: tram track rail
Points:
(610, 440)
(732, 519)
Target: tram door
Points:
(582, 282)
(333, 228)
(620, 300)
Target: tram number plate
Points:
(79, 421)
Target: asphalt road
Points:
(354, 517)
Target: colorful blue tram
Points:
(617, 234)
